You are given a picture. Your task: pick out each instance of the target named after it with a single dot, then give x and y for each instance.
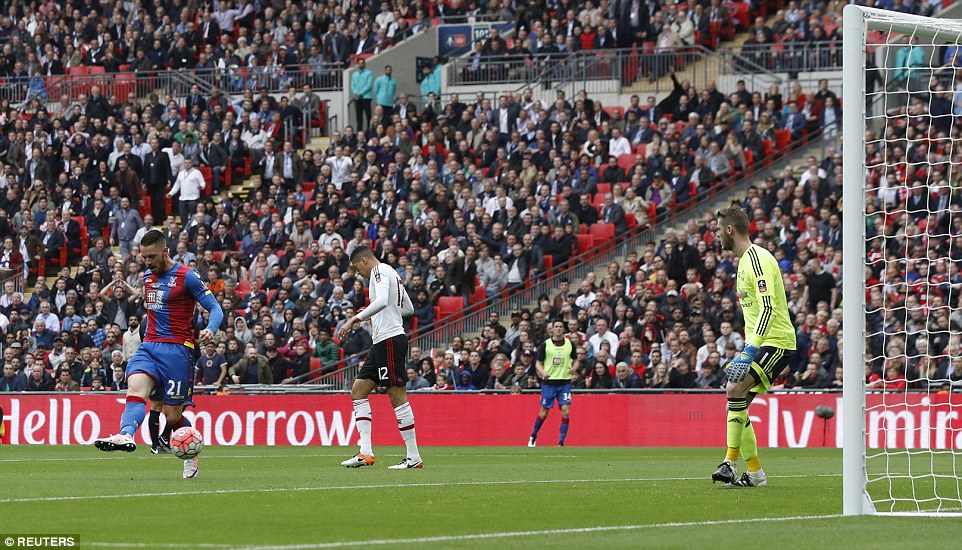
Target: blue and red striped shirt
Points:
(170, 299)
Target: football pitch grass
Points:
(546, 497)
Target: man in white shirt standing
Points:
(385, 361)
(602, 334)
(176, 158)
(340, 168)
(190, 183)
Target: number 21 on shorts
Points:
(173, 388)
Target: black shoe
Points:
(163, 443)
(725, 473)
(159, 450)
(758, 480)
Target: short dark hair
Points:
(736, 217)
(360, 252)
(152, 237)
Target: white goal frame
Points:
(858, 21)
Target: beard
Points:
(727, 242)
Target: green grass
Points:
(261, 496)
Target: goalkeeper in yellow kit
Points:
(769, 344)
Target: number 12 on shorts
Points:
(382, 373)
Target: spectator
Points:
(625, 378)
(64, 383)
(385, 89)
(327, 351)
(13, 380)
(711, 375)
(600, 378)
(252, 369)
(415, 381)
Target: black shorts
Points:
(385, 362)
(768, 365)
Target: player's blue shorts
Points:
(172, 368)
(549, 393)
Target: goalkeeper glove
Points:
(739, 366)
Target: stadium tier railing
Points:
(606, 71)
(231, 80)
(19, 280)
(791, 57)
(439, 333)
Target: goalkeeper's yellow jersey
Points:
(761, 295)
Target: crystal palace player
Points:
(385, 361)
(769, 343)
(557, 360)
(166, 358)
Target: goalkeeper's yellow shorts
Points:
(768, 364)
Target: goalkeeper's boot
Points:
(407, 463)
(725, 473)
(159, 450)
(359, 460)
(191, 467)
(119, 442)
(750, 479)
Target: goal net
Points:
(902, 215)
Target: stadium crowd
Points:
(807, 36)
(465, 200)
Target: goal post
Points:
(904, 458)
(855, 499)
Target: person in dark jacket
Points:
(614, 214)
(625, 378)
(278, 363)
(12, 380)
(39, 380)
(461, 274)
(156, 177)
(356, 342)
(680, 375)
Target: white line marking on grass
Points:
(501, 535)
(122, 456)
(364, 487)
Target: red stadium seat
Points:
(782, 139)
(479, 295)
(604, 188)
(603, 234)
(741, 17)
(627, 161)
(631, 220)
(585, 243)
(451, 306)
(243, 286)
(315, 368)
